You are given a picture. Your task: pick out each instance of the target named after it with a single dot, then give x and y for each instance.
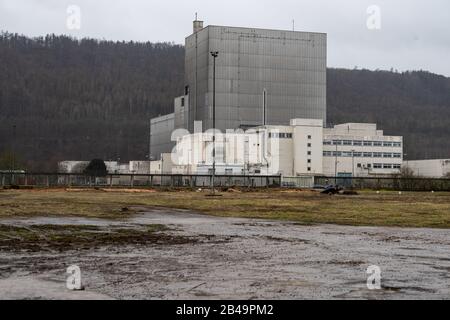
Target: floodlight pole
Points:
(214, 54)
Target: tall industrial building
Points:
(263, 77)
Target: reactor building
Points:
(263, 77)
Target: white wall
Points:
(437, 168)
(308, 146)
(358, 153)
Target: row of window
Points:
(280, 135)
(362, 143)
(382, 166)
(386, 166)
(361, 154)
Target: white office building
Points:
(303, 148)
(359, 150)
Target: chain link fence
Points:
(134, 180)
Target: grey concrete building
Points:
(279, 74)
(262, 77)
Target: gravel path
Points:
(239, 259)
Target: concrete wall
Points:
(289, 66)
(308, 146)
(361, 150)
(161, 133)
(437, 168)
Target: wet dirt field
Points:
(235, 258)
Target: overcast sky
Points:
(405, 35)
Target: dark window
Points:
(309, 144)
(309, 153)
(309, 168)
(182, 102)
(309, 160)
(309, 137)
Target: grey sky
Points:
(414, 34)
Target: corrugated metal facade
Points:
(289, 66)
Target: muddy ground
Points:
(202, 257)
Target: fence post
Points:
(132, 181)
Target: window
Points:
(377, 143)
(309, 137)
(397, 166)
(368, 143)
(228, 172)
(309, 160)
(397, 144)
(377, 154)
(309, 168)
(337, 154)
(182, 102)
(347, 142)
(387, 166)
(327, 153)
(378, 166)
(367, 154)
(357, 143)
(369, 165)
(359, 165)
(327, 143)
(186, 90)
(357, 154)
(309, 153)
(397, 155)
(337, 142)
(280, 135)
(346, 153)
(387, 144)
(309, 145)
(387, 155)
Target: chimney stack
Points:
(198, 25)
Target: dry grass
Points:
(368, 208)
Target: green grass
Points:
(411, 209)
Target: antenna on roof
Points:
(196, 16)
(293, 25)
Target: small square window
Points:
(309, 160)
(309, 144)
(309, 168)
(309, 137)
(309, 153)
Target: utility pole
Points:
(150, 147)
(335, 164)
(353, 163)
(214, 54)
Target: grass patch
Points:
(411, 209)
(36, 238)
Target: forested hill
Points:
(62, 98)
